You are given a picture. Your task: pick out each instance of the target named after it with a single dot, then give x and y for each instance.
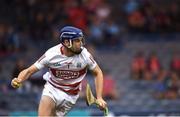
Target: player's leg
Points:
(46, 106)
(64, 107)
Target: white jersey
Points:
(65, 73)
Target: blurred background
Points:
(135, 42)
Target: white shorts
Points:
(64, 102)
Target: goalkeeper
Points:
(67, 63)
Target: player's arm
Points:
(24, 75)
(97, 73)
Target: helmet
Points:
(70, 33)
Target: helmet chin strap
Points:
(70, 44)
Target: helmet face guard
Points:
(71, 33)
(71, 42)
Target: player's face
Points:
(76, 45)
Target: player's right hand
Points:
(16, 83)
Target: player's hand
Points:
(101, 103)
(16, 83)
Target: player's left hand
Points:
(101, 103)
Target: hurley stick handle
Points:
(106, 110)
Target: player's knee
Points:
(43, 112)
